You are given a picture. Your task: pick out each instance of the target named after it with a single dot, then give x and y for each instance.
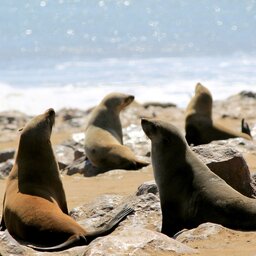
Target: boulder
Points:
(229, 164)
(137, 241)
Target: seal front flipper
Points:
(245, 128)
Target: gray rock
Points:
(136, 241)
(65, 155)
(6, 167)
(82, 166)
(6, 155)
(202, 232)
(9, 246)
(135, 138)
(147, 187)
(136, 235)
(78, 166)
(79, 152)
(229, 164)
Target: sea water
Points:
(70, 53)
(31, 86)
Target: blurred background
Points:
(70, 53)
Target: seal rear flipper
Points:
(140, 164)
(245, 128)
(104, 230)
(74, 240)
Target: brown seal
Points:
(104, 138)
(199, 125)
(190, 193)
(35, 208)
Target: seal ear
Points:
(21, 129)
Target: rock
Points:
(68, 152)
(135, 138)
(96, 209)
(248, 94)
(147, 187)
(136, 241)
(15, 119)
(6, 167)
(229, 164)
(215, 239)
(136, 235)
(65, 155)
(78, 166)
(79, 137)
(79, 152)
(202, 232)
(73, 117)
(9, 246)
(82, 166)
(6, 155)
(158, 104)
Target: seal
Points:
(199, 125)
(190, 193)
(35, 210)
(104, 138)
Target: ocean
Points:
(70, 53)
(33, 86)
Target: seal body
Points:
(35, 209)
(190, 193)
(199, 125)
(104, 139)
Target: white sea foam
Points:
(35, 100)
(34, 87)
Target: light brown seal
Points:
(190, 193)
(104, 138)
(199, 125)
(35, 209)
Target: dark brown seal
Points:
(190, 193)
(35, 209)
(104, 138)
(199, 125)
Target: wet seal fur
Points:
(104, 138)
(190, 193)
(199, 125)
(35, 209)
